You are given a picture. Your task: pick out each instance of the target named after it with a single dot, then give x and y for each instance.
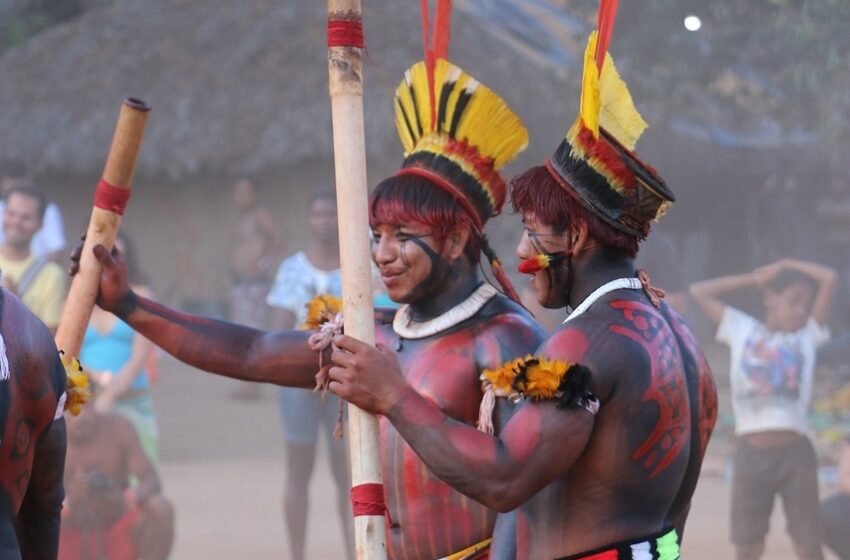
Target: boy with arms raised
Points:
(772, 367)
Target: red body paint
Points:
(667, 386)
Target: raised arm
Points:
(539, 443)
(280, 357)
(827, 280)
(707, 294)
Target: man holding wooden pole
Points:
(427, 229)
(614, 411)
(33, 381)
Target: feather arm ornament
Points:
(535, 378)
(78, 390)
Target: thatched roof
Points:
(239, 87)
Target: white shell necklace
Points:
(405, 327)
(618, 284)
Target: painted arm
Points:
(539, 443)
(279, 357)
(827, 280)
(707, 294)
(37, 524)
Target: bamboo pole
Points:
(103, 226)
(345, 67)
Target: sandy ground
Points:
(223, 469)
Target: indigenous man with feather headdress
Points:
(427, 225)
(614, 411)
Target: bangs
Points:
(408, 199)
(536, 192)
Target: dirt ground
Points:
(223, 469)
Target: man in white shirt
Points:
(771, 369)
(300, 278)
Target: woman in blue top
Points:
(116, 356)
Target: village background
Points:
(748, 125)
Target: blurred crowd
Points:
(777, 333)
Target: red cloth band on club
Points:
(368, 499)
(110, 197)
(346, 33)
(449, 188)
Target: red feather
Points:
(437, 46)
(442, 26)
(605, 25)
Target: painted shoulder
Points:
(503, 316)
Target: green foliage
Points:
(18, 26)
(785, 60)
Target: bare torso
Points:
(97, 473)
(431, 520)
(251, 247)
(28, 401)
(638, 472)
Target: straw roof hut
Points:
(237, 87)
(240, 88)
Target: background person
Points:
(835, 510)
(49, 241)
(300, 278)
(38, 282)
(772, 368)
(117, 358)
(104, 517)
(255, 244)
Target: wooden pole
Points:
(345, 66)
(103, 226)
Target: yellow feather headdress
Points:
(596, 162)
(463, 138)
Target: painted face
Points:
(789, 309)
(410, 262)
(20, 219)
(550, 284)
(323, 221)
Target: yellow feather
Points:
(419, 87)
(618, 116)
(606, 101)
(405, 114)
(486, 123)
(589, 103)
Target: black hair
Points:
(31, 192)
(13, 168)
(321, 194)
(788, 277)
(404, 199)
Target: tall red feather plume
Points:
(437, 45)
(442, 25)
(605, 25)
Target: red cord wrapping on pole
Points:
(368, 499)
(110, 197)
(346, 33)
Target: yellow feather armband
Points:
(535, 378)
(78, 391)
(320, 310)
